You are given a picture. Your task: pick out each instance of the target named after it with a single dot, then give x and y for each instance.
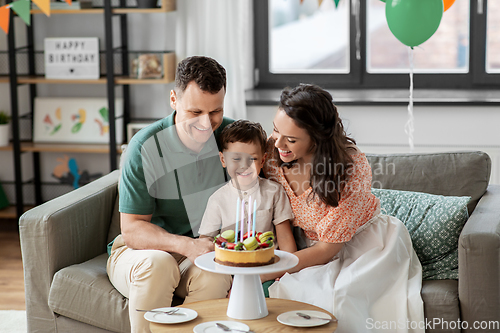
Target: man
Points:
(170, 169)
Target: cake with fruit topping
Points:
(252, 252)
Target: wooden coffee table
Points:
(213, 310)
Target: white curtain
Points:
(223, 30)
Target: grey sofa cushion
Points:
(454, 173)
(83, 292)
(441, 304)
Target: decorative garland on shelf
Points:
(22, 9)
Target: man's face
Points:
(199, 114)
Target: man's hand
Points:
(198, 247)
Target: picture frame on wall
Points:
(75, 120)
(133, 128)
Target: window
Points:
(300, 37)
(447, 51)
(351, 46)
(493, 38)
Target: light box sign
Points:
(72, 58)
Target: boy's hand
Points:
(198, 247)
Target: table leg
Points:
(247, 299)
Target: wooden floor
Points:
(11, 267)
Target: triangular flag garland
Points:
(319, 2)
(44, 6)
(22, 8)
(4, 18)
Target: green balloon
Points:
(413, 21)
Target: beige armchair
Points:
(64, 241)
(63, 245)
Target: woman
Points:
(357, 263)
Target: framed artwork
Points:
(133, 128)
(75, 120)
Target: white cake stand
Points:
(247, 296)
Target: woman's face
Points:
(293, 142)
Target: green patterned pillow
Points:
(434, 223)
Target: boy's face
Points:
(243, 162)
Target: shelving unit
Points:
(63, 147)
(113, 149)
(11, 212)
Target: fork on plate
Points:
(229, 329)
(306, 316)
(169, 312)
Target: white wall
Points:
(380, 129)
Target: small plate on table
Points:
(291, 318)
(210, 327)
(180, 316)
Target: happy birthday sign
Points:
(72, 58)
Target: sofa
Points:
(63, 245)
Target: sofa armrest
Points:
(479, 261)
(67, 230)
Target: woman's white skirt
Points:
(372, 285)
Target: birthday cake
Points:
(250, 251)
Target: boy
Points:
(243, 154)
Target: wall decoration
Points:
(77, 120)
(21, 8)
(72, 58)
(133, 128)
(67, 173)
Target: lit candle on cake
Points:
(249, 214)
(254, 213)
(237, 219)
(242, 219)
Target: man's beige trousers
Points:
(150, 278)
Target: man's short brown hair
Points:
(243, 131)
(207, 73)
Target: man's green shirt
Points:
(160, 176)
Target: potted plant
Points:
(4, 129)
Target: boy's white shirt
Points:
(273, 207)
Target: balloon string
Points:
(409, 126)
(355, 11)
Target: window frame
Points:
(476, 78)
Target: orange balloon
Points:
(447, 4)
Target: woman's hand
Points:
(318, 254)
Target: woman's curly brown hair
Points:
(312, 109)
